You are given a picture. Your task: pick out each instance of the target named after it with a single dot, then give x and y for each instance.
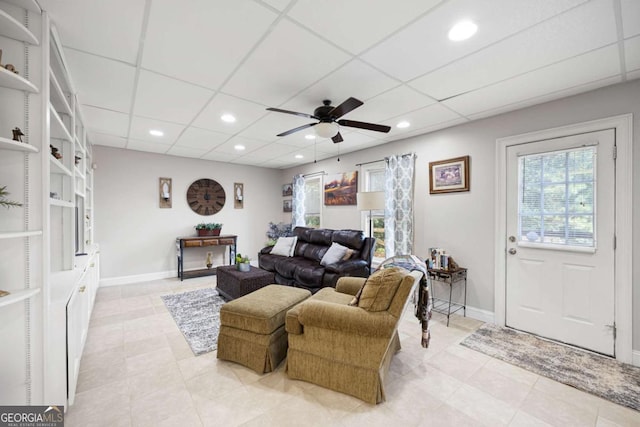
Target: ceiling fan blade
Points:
(295, 113)
(363, 125)
(347, 106)
(290, 131)
(337, 138)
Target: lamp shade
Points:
(326, 129)
(370, 200)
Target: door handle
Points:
(512, 251)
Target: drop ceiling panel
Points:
(554, 40)
(630, 17)
(107, 28)
(632, 53)
(151, 147)
(245, 113)
(271, 151)
(583, 69)
(186, 151)
(288, 60)
(107, 140)
(423, 46)
(141, 126)
(421, 118)
(208, 49)
(200, 138)
(278, 4)
(164, 98)
(250, 145)
(273, 124)
(116, 80)
(105, 121)
(356, 25)
(395, 102)
(219, 157)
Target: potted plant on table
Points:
(242, 263)
(208, 229)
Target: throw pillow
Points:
(348, 254)
(285, 246)
(334, 254)
(380, 288)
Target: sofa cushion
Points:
(284, 246)
(335, 253)
(380, 288)
(353, 239)
(315, 252)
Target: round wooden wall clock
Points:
(206, 196)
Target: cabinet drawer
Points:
(226, 241)
(192, 243)
(210, 242)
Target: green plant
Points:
(4, 202)
(208, 226)
(241, 259)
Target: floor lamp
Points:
(370, 201)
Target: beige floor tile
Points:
(211, 386)
(134, 303)
(437, 383)
(102, 360)
(618, 414)
(107, 293)
(507, 390)
(198, 365)
(146, 345)
(154, 379)
(102, 375)
(102, 406)
(511, 371)
(556, 412)
(450, 363)
(148, 361)
(104, 342)
(481, 406)
(294, 412)
(165, 404)
(179, 346)
(138, 334)
(588, 402)
(447, 416)
(603, 422)
(522, 419)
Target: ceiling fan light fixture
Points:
(326, 129)
(462, 31)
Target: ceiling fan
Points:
(328, 125)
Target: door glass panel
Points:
(556, 203)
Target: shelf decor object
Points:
(3, 200)
(238, 195)
(449, 176)
(164, 188)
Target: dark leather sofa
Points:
(303, 269)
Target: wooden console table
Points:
(199, 242)
(450, 277)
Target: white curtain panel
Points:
(398, 212)
(297, 204)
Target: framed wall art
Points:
(449, 176)
(287, 190)
(287, 205)
(341, 189)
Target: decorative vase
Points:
(243, 266)
(209, 260)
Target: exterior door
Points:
(560, 239)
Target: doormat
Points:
(197, 314)
(586, 371)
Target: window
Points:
(313, 201)
(374, 181)
(556, 203)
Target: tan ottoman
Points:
(252, 327)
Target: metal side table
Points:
(450, 277)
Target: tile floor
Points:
(137, 370)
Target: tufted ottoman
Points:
(252, 327)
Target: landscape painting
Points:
(341, 189)
(448, 176)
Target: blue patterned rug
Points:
(197, 314)
(586, 371)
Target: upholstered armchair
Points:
(348, 348)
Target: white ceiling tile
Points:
(141, 126)
(152, 147)
(391, 104)
(424, 46)
(219, 157)
(208, 49)
(278, 4)
(186, 151)
(116, 80)
(358, 24)
(163, 98)
(630, 17)
(355, 79)
(107, 140)
(268, 127)
(107, 28)
(249, 145)
(288, 60)
(554, 40)
(432, 128)
(428, 116)
(583, 69)
(105, 121)
(272, 151)
(245, 113)
(632, 53)
(250, 160)
(200, 138)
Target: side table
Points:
(450, 277)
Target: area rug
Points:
(197, 314)
(589, 372)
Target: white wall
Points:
(463, 223)
(136, 237)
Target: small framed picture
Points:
(286, 205)
(287, 190)
(449, 176)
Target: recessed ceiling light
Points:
(310, 136)
(156, 132)
(229, 118)
(239, 147)
(462, 31)
(299, 156)
(403, 124)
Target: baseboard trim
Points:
(480, 314)
(636, 358)
(137, 278)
